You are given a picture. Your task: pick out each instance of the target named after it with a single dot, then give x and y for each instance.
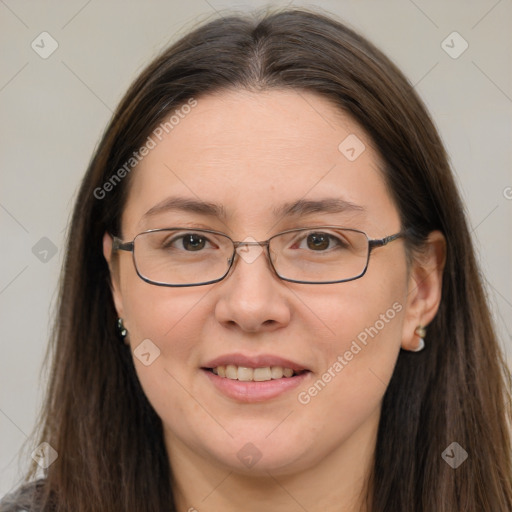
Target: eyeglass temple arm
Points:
(384, 241)
(119, 245)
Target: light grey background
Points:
(53, 111)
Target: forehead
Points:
(254, 155)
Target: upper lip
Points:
(256, 361)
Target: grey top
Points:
(23, 499)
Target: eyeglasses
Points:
(196, 257)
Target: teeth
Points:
(262, 374)
(276, 372)
(245, 374)
(231, 372)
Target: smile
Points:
(246, 374)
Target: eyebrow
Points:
(325, 205)
(186, 204)
(290, 209)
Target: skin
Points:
(249, 151)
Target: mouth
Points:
(247, 374)
(254, 379)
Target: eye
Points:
(190, 242)
(320, 242)
(193, 242)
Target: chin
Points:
(259, 457)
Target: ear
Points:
(113, 266)
(424, 288)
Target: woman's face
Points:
(251, 154)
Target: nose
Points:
(252, 297)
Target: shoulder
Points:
(23, 499)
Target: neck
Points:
(337, 483)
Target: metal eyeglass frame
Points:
(119, 245)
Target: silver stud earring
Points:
(421, 332)
(121, 329)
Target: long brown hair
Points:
(108, 437)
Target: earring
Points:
(121, 329)
(421, 332)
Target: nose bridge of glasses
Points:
(249, 255)
(263, 242)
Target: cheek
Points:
(359, 359)
(153, 312)
(359, 342)
(173, 320)
(170, 317)
(362, 329)
(165, 323)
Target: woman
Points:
(270, 299)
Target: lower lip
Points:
(255, 391)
